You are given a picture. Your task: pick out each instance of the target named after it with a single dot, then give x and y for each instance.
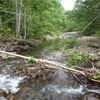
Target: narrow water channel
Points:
(63, 87)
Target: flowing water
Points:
(62, 87)
(8, 79)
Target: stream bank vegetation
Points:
(22, 23)
(21, 20)
(73, 62)
(69, 42)
(77, 64)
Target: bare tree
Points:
(0, 22)
(18, 17)
(25, 25)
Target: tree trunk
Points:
(25, 25)
(16, 7)
(0, 22)
(18, 17)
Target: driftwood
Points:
(56, 65)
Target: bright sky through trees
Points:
(68, 4)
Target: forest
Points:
(37, 18)
(64, 67)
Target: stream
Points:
(62, 87)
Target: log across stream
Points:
(63, 85)
(54, 64)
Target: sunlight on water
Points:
(10, 83)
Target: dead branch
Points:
(45, 61)
(80, 81)
(52, 64)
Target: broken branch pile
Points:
(56, 65)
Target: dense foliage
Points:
(37, 18)
(69, 42)
(32, 18)
(85, 12)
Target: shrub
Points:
(70, 42)
(97, 33)
(74, 58)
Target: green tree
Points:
(32, 18)
(85, 12)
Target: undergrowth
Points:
(74, 58)
(26, 42)
(69, 42)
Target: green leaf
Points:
(31, 59)
(8, 29)
(72, 67)
(99, 73)
(1, 34)
(95, 77)
(79, 57)
(9, 57)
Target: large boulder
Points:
(49, 37)
(68, 34)
(90, 41)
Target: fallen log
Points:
(56, 64)
(53, 64)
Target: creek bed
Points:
(62, 86)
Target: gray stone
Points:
(98, 54)
(68, 34)
(94, 57)
(49, 37)
(98, 64)
(90, 96)
(64, 96)
(3, 98)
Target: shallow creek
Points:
(62, 87)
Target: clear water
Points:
(46, 50)
(12, 82)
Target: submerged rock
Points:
(4, 93)
(64, 96)
(90, 96)
(3, 98)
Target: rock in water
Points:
(90, 96)
(3, 98)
